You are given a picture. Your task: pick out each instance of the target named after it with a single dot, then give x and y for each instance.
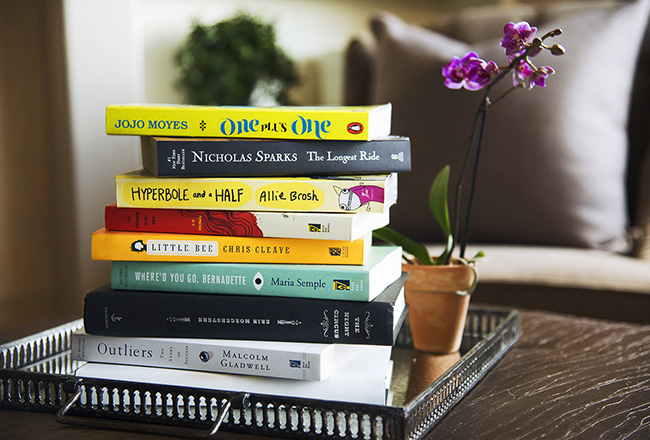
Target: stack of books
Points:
(242, 257)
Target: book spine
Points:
(357, 386)
(197, 356)
(221, 157)
(319, 226)
(297, 281)
(167, 220)
(136, 246)
(315, 123)
(375, 194)
(188, 315)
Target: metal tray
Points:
(37, 374)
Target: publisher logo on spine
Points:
(341, 284)
(258, 281)
(355, 128)
(339, 251)
(314, 227)
(296, 363)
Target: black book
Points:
(189, 315)
(269, 157)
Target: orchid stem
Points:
(461, 176)
(464, 238)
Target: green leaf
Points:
(438, 200)
(478, 256)
(409, 246)
(474, 285)
(470, 264)
(439, 207)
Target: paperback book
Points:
(346, 283)
(152, 246)
(288, 360)
(367, 193)
(174, 156)
(189, 315)
(365, 379)
(319, 123)
(309, 225)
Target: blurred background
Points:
(63, 61)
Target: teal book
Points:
(341, 282)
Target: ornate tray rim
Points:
(191, 412)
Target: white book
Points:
(321, 225)
(312, 225)
(288, 360)
(365, 379)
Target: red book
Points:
(182, 221)
(310, 225)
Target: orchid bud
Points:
(558, 49)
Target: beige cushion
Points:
(553, 164)
(562, 267)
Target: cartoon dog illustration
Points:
(351, 199)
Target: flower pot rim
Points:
(449, 267)
(455, 262)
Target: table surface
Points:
(566, 377)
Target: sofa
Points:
(562, 202)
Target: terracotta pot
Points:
(437, 311)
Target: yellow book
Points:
(343, 194)
(152, 246)
(333, 123)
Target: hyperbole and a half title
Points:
(373, 193)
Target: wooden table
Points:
(567, 377)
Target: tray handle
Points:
(238, 401)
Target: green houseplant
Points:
(448, 273)
(233, 61)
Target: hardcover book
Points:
(288, 360)
(261, 318)
(152, 246)
(319, 123)
(367, 193)
(310, 225)
(170, 156)
(365, 379)
(347, 283)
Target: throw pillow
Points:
(553, 163)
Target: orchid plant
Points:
(473, 73)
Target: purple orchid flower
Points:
(515, 38)
(538, 77)
(456, 71)
(523, 74)
(469, 72)
(481, 75)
